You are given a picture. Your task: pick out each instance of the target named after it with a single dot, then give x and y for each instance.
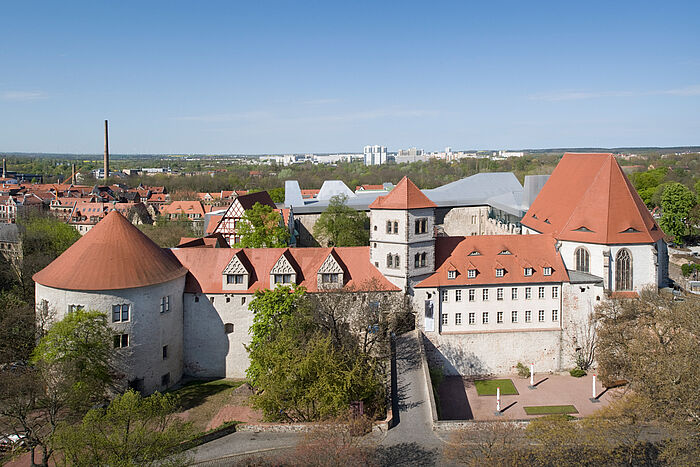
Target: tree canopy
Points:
(677, 201)
(132, 431)
(262, 227)
(340, 225)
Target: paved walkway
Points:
(411, 441)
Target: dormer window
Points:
(452, 274)
(528, 272)
(282, 278)
(547, 271)
(500, 272)
(331, 278)
(474, 253)
(234, 278)
(504, 252)
(471, 273)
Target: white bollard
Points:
(532, 376)
(594, 397)
(498, 399)
(594, 391)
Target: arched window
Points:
(396, 261)
(396, 227)
(416, 260)
(583, 259)
(623, 270)
(389, 261)
(228, 328)
(422, 259)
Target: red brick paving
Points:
(551, 390)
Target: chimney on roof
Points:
(106, 150)
(72, 177)
(4, 168)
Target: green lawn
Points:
(487, 387)
(550, 409)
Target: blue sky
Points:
(294, 76)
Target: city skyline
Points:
(239, 78)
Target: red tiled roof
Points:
(183, 207)
(369, 187)
(405, 195)
(589, 199)
(112, 255)
(214, 220)
(206, 266)
(535, 251)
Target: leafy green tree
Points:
(677, 202)
(277, 194)
(647, 182)
(132, 431)
(303, 371)
(80, 345)
(340, 225)
(272, 311)
(167, 234)
(262, 227)
(69, 372)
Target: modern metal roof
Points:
(578, 277)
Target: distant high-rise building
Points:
(375, 155)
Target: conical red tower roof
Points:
(112, 255)
(405, 195)
(589, 199)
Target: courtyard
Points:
(553, 393)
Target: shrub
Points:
(523, 370)
(577, 372)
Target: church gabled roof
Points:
(589, 199)
(112, 255)
(405, 195)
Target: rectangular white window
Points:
(485, 317)
(555, 315)
(555, 292)
(485, 294)
(283, 278)
(443, 295)
(121, 341)
(330, 278)
(72, 308)
(444, 319)
(513, 316)
(451, 274)
(234, 278)
(458, 295)
(458, 318)
(540, 316)
(547, 271)
(528, 293)
(499, 293)
(472, 318)
(528, 272)
(472, 295)
(499, 317)
(471, 273)
(120, 313)
(514, 293)
(528, 316)
(165, 304)
(500, 272)
(540, 293)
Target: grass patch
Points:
(487, 387)
(550, 409)
(203, 399)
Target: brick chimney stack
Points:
(72, 177)
(106, 151)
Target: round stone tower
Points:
(118, 270)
